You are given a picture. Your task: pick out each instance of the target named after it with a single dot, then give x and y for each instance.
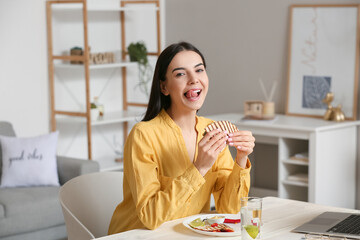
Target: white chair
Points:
(88, 203)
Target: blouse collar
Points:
(165, 116)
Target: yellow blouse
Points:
(162, 184)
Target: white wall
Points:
(24, 97)
(242, 41)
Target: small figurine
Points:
(333, 114)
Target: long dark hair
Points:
(158, 100)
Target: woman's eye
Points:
(200, 70)
(179, 74)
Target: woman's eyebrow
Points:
(181, 68)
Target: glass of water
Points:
(251, 209)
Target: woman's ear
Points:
(163, 88)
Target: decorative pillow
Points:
(29, 161)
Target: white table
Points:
(332, 149)
(280, 216)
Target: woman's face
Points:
(186, 81)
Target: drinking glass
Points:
(251, 208)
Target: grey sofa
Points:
(35, 212)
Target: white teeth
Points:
(197, 91)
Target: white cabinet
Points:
(332, 157)
(97, 26)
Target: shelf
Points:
(108, 118)
(95, 66)
(118, 117)
(295, 183)
(102, 8)
(117, 9)
(296, 162)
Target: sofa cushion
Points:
(28, 209)
(29, 161)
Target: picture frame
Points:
(323, 57)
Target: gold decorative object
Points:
(333, 113)
(102, 58)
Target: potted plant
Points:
(94, 111)
(138, 53)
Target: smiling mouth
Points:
(192, 93)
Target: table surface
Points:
(280, 216)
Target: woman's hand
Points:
(244, 143)
(208, 150)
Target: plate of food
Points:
(220, 225)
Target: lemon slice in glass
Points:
(252, 230)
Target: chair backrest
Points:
(88, 202)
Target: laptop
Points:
(333, 224)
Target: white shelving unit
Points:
(104, 8)
(331, 166)
(62, 62)
(295, 183)
(95, 66)
(295, 162)
(108, 118)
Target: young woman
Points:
(170, 168)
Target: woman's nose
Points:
(193, 79)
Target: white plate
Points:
(236, 227)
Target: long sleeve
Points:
(233, 182)
(155, 205)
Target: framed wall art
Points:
(323, 57)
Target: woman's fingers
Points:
(209, 148)
(242, 144)
(242, 136)
(220, 147)
(243, 141)
(213, 139)
(210, 134)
